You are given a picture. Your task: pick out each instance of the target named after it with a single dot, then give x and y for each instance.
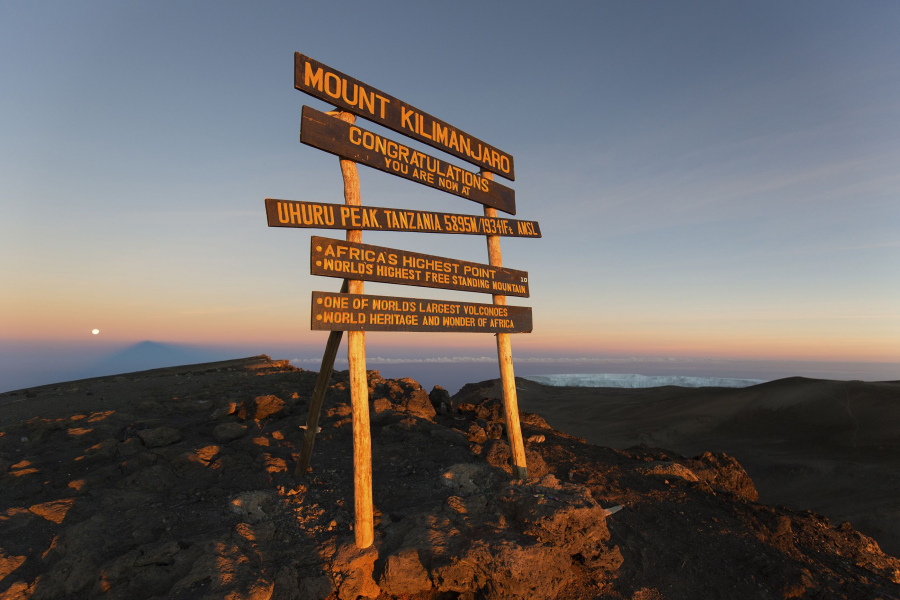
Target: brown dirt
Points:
(152, 485)
(829, 446)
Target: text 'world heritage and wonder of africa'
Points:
(360, 312)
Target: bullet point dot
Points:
(318, 248)
(318, 263)
(319, 301)
(318, 317)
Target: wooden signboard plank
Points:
(321, 215)
(343, 91)
(337, 258)
(359, 145)
(361, 312)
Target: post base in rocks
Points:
(362, 441)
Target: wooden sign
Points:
(361, 312)
(320, 215)
(348, 260)
(359, 145)
(361, 99)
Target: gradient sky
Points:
(712, 179)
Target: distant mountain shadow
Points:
(154, 355)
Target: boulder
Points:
(725, 473)
(668, 470)
(440, 398)
(404, 574)
(416, 403)
(227, 432)
(160, 436)
(353, 568)
(223, 411)
(261, 407)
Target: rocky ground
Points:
(178, 483)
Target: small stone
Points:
(260, 407)
(223, 411)
(416, 403)
(161, 436)
(536, 439)
(381, 404)
(666, 469)
(404, 574)
(477, 435)
(161, 553)
(439, 396)
(353, 567)
(252, 506)
(152, 479)
(227, 432)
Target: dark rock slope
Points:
(177, 483)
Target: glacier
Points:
(630, 380)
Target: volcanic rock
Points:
(112, 517)
(160, 436)
(227, 432)
(261, 407)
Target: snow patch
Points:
(618, 380)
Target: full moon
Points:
(95, 331)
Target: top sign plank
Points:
(343, 91)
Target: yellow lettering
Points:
(355, 93)
(439, 133)
(383, 102)
(286, 218)
(422, 127)
(337, 85)
(358, 132)
(464, 145)
(295, 213)
(405, 120)
(313, 79)
(364, 100)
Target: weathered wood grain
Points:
(343, 91)
(360, 312)
(336, 258)
(321, 215)
(354, 143)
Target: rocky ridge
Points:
(178, 483)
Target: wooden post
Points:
(504, 357)
(359, 385)
(318, 396)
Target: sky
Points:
(714, 181)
